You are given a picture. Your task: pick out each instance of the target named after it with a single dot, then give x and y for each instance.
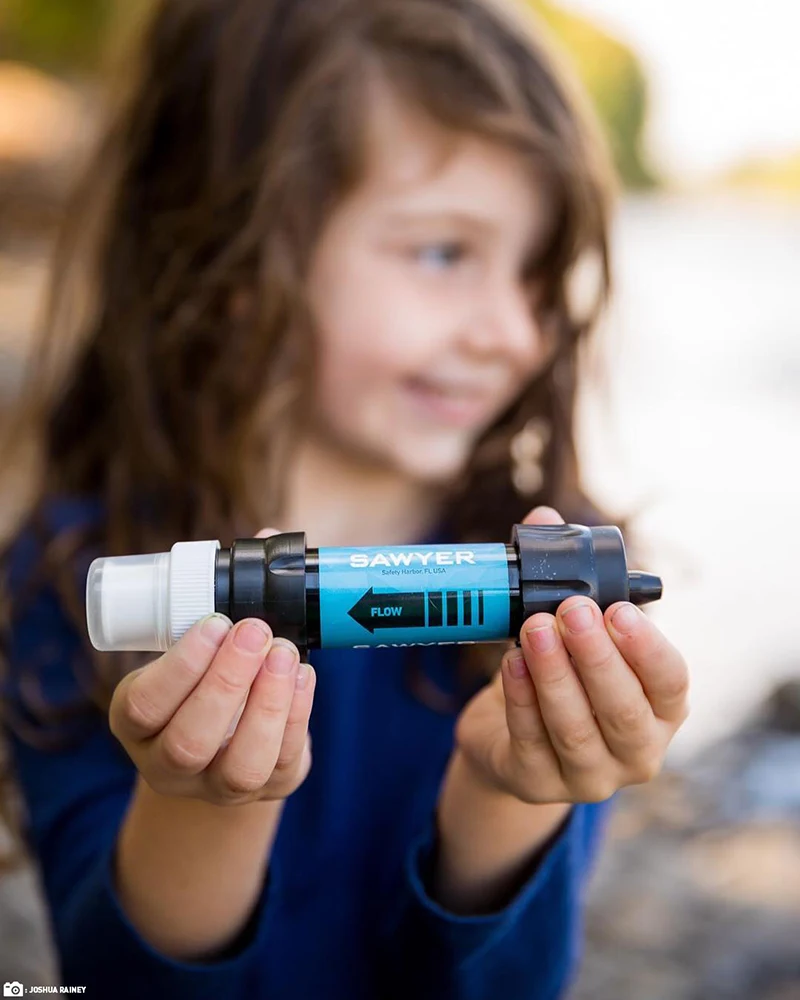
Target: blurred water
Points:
(700, 427)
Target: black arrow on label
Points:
(390, 610)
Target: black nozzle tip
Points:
(644, 587)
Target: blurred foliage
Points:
(60, 35)
(615, 81)
(69, 36)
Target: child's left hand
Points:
(576, 722)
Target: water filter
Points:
(360, 596)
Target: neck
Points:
(339, 498)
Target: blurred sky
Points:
(724, 77)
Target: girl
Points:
(319, 278)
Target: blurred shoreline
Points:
(700, 428)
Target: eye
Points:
(440, 254)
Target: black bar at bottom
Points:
(435, 603)
(452, 607)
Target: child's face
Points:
(425, 324)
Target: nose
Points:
(501, 321)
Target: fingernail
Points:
(579, 618)
(303, 676)
(282, 657)
(542, 638)
(215, 628)
(251, 637)
(517, 666)
(625, 618)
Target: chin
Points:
(434, 465)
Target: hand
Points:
(221, 716)
(573, 716)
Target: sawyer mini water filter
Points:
(360, 596)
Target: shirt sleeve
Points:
(74, 799)
(528, 950)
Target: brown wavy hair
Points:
(239, 131)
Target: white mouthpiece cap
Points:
(147, 602)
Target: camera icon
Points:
(13, 989)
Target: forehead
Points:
(415, 164)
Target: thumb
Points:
(267, 532)
(543, 515)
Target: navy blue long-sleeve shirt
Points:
(345, 911)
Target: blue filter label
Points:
(410, 594)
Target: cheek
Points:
(370, 313)
(356, 386)
(360, 402)
(368, 339)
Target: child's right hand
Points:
(174, 715)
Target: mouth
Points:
(454, 404)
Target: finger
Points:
(661, 669)
(526, 728)
(543, 515)
(523, 716)
(267, 532)
(295, 735)
(622, 710)
(563, 703)
(248, 761)
(146, 700)
(196, 731)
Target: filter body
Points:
(361, 596)
(376, 596)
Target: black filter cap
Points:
(644, 587)
(266, 578)
(557, 561)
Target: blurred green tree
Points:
(60, 35)
(616, 84)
